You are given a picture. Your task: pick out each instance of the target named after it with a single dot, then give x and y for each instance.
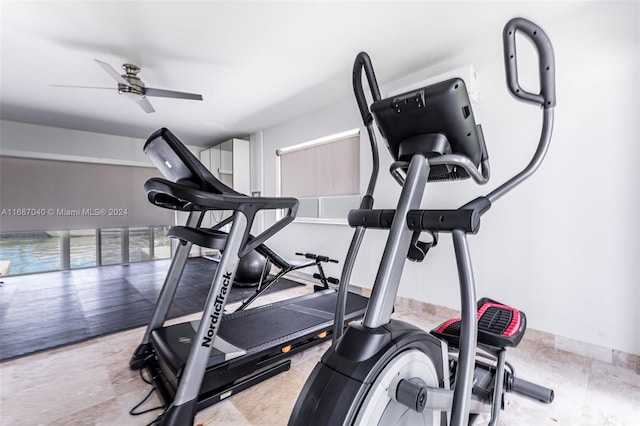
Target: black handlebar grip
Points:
(547, 95)
(363, 61)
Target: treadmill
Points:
(199, 363)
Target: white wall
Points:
(54, 143)
(564, 246)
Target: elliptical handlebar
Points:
(546, 98)
(547, 95)
(364, 62)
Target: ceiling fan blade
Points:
(81, 87)
(112, 72)
(150, 91)
(145, 105)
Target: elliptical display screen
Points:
(434, 120)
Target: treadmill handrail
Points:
(175, 196)
(167, 194)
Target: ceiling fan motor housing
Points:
(136, 86)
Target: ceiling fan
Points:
(130, 85)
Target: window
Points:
(139, 243)
(28, 253)
(33, 252)
(111, 246)
(161, 242)
(323, 174)
(82, 246)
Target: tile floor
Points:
(90, 384)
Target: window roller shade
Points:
(329, 169)
(65, 195)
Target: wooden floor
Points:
(91, 384)
(43, 311)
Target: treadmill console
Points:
(179, 165)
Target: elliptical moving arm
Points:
(546, 98)
(362, 62)
(547, 95)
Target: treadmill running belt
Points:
(259, 329)
(280, 323)
(328, 303)
(265, 327)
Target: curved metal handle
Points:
(479, 176)
(547, 95)
(363, 61)
(464, 162)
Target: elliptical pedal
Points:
(499, 326)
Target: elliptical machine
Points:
(388, 372)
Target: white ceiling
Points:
(257, 64)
